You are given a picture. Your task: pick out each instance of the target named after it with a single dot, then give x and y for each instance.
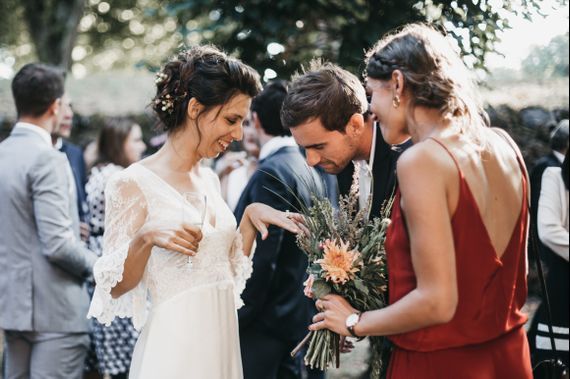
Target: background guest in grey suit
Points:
(43, 302)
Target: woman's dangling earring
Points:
(396, 101)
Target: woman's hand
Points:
(261, 216)
(334, 312)
(184, 239)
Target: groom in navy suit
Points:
(276, 312)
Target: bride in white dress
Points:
(191, 330)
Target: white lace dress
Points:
(191, 329)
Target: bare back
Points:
(495, 179)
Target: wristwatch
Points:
(351, 322)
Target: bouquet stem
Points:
(323, 350)
(303, 342)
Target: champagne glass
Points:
(194, 210)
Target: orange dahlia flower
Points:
(338, 262)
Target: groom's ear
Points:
(356, 125)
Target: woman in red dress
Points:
(456, 245)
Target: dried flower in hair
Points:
(167, 104)
(160, 77)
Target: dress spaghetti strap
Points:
(461, 176)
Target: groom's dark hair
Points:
(326, 92)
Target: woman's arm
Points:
(257, 217)
(183, 239)
(552, 212)
(423, 179)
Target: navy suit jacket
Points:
(75, 157)
(383, 172)
(273, 297)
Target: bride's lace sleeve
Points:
(242, 267)
(125, 212)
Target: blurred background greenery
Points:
(274, 36)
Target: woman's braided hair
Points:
(204, 73)
(434, 74)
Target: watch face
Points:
(352, 320)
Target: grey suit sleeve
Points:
(50, 196)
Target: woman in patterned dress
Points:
(120, 144)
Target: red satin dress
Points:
(485, 339)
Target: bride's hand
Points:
(184, 239)
(261, 216)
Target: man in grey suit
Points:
(43, 302)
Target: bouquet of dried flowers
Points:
(346, 256)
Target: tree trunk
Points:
(53, 28)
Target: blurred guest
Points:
(89, 153)
(559, 146)
(120, 144)
(552, 223)
(276, 313)
(43, 302)
(241, 169)
(75, 156)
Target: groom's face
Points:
(330, 150)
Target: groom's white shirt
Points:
(365, 175)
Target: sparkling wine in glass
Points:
(194, 209)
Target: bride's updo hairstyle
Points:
(205, 73)
(434, 75)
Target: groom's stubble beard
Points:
(336, 167)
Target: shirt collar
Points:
(370, 164)
(275, 144)
(558, 155)
(58, 143)
(36, 129)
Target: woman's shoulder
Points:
(124, 178)
(426, 155)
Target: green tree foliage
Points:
(548, 61)
(51, 26)
(273, 35)
(339, 30)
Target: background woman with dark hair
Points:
(552, 223)
(119, 145)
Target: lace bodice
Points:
(136, 196)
